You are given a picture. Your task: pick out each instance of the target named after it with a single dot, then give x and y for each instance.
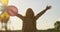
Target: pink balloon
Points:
(12, 10)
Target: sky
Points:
(46, 21)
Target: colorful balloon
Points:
(12, 10)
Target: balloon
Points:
(12, 10)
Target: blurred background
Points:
(44, 22)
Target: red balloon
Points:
(12, 10)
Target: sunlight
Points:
(14, 23)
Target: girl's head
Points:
(29, 12)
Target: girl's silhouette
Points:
(29, 21)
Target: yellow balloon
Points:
(4, 2)
(5, 16)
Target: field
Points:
(36, 31)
